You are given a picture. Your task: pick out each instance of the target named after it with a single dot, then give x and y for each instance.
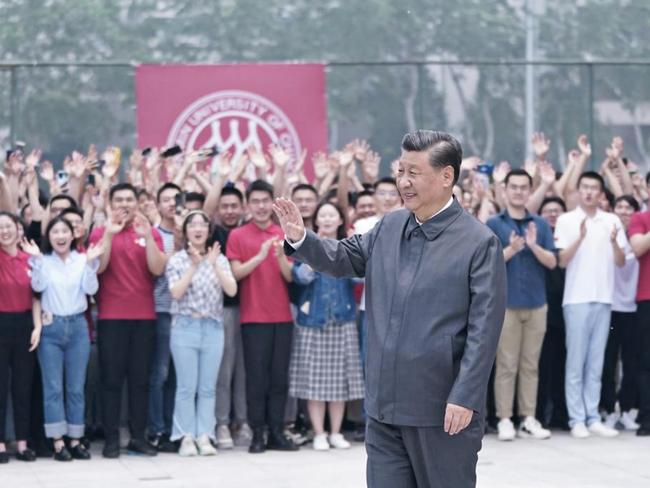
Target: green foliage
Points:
(67, 108)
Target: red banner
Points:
(233, 106)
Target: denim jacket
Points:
(322, 298)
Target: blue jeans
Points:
(197, 349)
(63, 352)
(587, 328)
(161, 389)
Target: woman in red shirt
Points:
(20, 331)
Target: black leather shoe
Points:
(258, 445)
(643, 431)
(63, 455)
(111, 450)
(141, 447)
(4, 457)
(80, 452)
(279, 442)
(27, 455)
(165, 444)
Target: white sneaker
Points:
(320, 443)
(506, 430)
(205, 446)
(611, 419)
(224, 439)
(579, 431)
(602, 430)
(337, 441)
(188, 448)
(531, 428)
(628, 422)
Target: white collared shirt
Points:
(590, 274)
(447, 205)
(64, 284)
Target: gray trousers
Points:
(231, 383)
(421, 457)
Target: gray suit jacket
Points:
(435, 302)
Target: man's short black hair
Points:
(63, 196)
(192, 196)
(519, 172)
(72, 210)
(387, 180)
(548, 200)
(592, 175)
(630, 200)
(121, 187)
(444, 149)
(232, 190)
(361, 194)
(167, 186)
(259, 185)
(304, 186)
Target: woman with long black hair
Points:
(64, 277)
(20, 330)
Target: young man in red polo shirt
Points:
(133, 257)
(639, 232)
(263, 271)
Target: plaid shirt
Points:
(204, 296)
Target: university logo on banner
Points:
(235, 107)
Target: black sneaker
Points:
(165, 444)
(258, 445)
(643, 431)
(4, 457)
(279, 442)
(80, 452)
(140, 447)
(111, 450)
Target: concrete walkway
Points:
(559, 462)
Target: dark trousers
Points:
(267, 350)
(37, 422)
(125, 349)
(623, 342)
(422, 457)
(551, 400)
(16, 362)
(643, 312)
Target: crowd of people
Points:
(158, 296)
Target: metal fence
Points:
(66, 106)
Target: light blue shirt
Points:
(64, 284)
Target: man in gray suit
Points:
(435, 303)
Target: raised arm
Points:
(156, 259)
(345, 258)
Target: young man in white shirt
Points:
(591, 244)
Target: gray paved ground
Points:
(559, 462)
